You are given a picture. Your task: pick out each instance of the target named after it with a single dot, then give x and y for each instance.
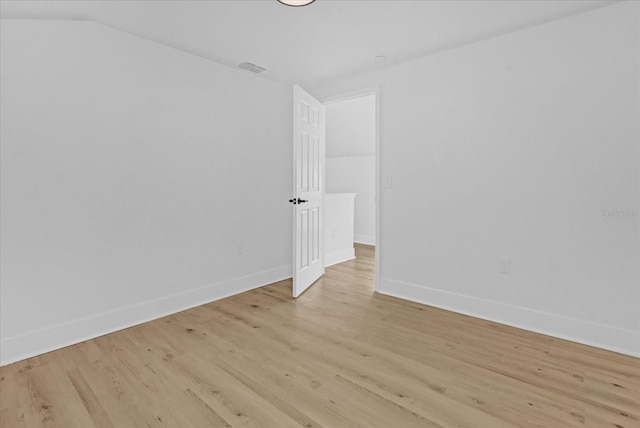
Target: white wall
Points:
(350, 164)
(514, 148)
(137, 180)
(351, 127)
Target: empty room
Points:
(319, 213)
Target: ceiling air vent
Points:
(251, 67)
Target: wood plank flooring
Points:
(339, 356)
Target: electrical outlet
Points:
(505, 266)
(239, 249)
(387, 182)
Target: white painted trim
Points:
(38, 342)
(346, 96)
(378, 161)
(339, 257)
(581, 331)
(359, 238)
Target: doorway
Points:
(351, 168)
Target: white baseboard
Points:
(339, 257)
(581, 331)
(38, 342)
(364, 239)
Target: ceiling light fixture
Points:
(296, 3)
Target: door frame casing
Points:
(357, 93)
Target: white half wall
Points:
(137, 181)
(523, 148)
(356, 174)
(338, 228)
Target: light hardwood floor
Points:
(339, 356)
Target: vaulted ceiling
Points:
(309, 45)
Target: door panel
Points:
(309, 152)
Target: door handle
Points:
(298, 201)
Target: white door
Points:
(308, 187)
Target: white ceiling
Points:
(310, 45)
